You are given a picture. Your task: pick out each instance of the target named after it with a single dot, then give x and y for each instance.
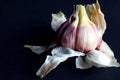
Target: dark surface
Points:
(28, 22)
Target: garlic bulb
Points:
(80, 35)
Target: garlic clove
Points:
(69, 36)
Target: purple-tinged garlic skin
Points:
(68, 38)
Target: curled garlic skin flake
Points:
(80, 36)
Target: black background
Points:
(28, 22)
